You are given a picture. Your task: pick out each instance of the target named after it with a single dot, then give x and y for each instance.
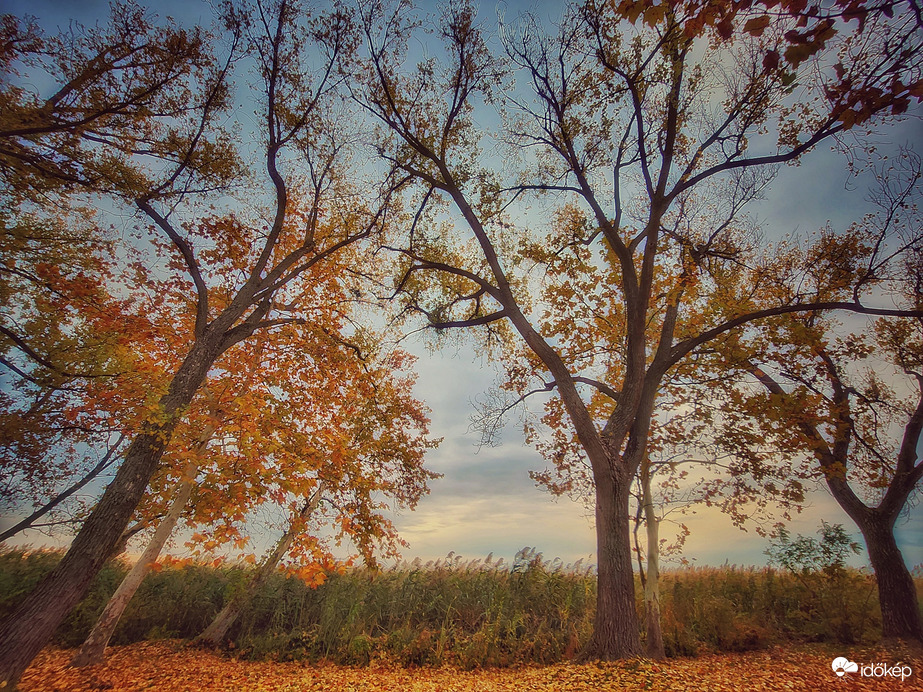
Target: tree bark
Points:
(31, 626)
(653, 645)
(615, 627)
(897, 594)
(93, 650)
(215, 633)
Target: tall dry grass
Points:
(469, 613)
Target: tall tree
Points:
(688, 405)
(274, 245)
(844, 421)
(656, 122)
(849, 399)
(279, 437)
(110, 93)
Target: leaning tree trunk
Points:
(32, 625)
(215, 633)
(897, 594)
(93, 650)
(654, 642)
(615, 628)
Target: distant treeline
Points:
(466, 613)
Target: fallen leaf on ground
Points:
(168, 666)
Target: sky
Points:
(485, 501)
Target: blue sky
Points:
(486, 502)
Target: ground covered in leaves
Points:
(170, 666)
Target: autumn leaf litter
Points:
(170, 666)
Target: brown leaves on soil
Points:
(169, 667)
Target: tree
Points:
(844, 423)
(682, 436)
(684, 468)
(651, 581)
(658, 133)
(133, 87)
(849, 401)
(273, 246)
(93, 649)
(277, 436)
(216, 631)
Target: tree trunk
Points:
(93, 650)
(215, 633)
(32, 625)
(615, 628)
(654, 642)
(897, 594)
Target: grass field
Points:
(469, 615)
(477, 625)
(169, 666)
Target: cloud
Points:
(501, 525)
(486, 501)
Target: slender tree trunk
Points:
(215, 633)
(615, 628)
(897, 594)
(32, 625)
(654, 642)
(93, 650)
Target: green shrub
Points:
(837, 607)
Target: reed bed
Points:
(468, 613)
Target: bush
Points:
(20, 571)
(838, 603)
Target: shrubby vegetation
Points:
(472, 614)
